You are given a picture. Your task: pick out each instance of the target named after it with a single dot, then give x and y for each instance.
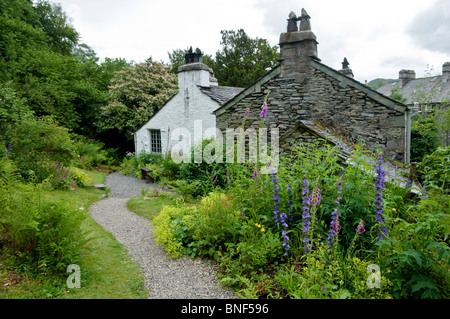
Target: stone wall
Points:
(344, 109)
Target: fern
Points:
(9, 174)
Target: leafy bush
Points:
(165, 232)
(89, 153)
(40, 146)
(79, 176)
(208, 175)
(132, 163)
(435, 168)
(417, 254)
(40, 234)
(424, 137)
(256, 230)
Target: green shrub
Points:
(40, 234)
(165, 228)
(417, 253)
(40, 146)
(424, 137)
(80, 176)
(208, 175)
(435, 168)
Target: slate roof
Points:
(432, 89)
(394, 173)
(221, 94)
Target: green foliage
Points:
(39, 234)
(91, 153)
(397, 95)
(136, 93)
(243, 59)
(435, 169)
(321, 278)
(165, 232)
(442, 116)
(207, 176)
(41, 147)
(13, 110)
(424, 137)
(237, 229)
(417, 254)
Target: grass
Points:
(107, 272)
(149, 206)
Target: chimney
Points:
(345, 69)
(446, 72)
(405, 76)
(194, 72)
(297, 48)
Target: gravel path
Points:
(166, 278)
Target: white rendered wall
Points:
(188, 107)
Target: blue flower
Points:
(276, 199)
(305, 214)
(379, 188)
(9, 149)
(291, 216)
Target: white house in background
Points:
(198, 96)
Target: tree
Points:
(61, 36)
(136, 93)
(397, 95)
(242, 59)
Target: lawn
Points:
(107, 270)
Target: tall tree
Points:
(61, 36)
(242, 59)
(136, 93)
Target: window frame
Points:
(155, 141)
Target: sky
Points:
(378, 37)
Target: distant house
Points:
(309, 100)
(191, 108)
(425, 92)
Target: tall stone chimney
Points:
(194, 72)
(297, 48)
(446, 72)
(405, 76)
(345, 69)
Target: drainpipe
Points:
(410, 113)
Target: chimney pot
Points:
(405, 76)
(345, 69)
(298, 48)
(446, 72)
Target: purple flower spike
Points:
(306, 214)
(255, 173)
(263, 113)
(379, 187)
(276, 199)
(335, 227)
(360, 228)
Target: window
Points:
(155, 141)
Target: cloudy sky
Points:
(378, 37)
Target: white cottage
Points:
(189, 110)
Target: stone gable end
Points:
(331, 103)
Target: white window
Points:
(155, 141)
